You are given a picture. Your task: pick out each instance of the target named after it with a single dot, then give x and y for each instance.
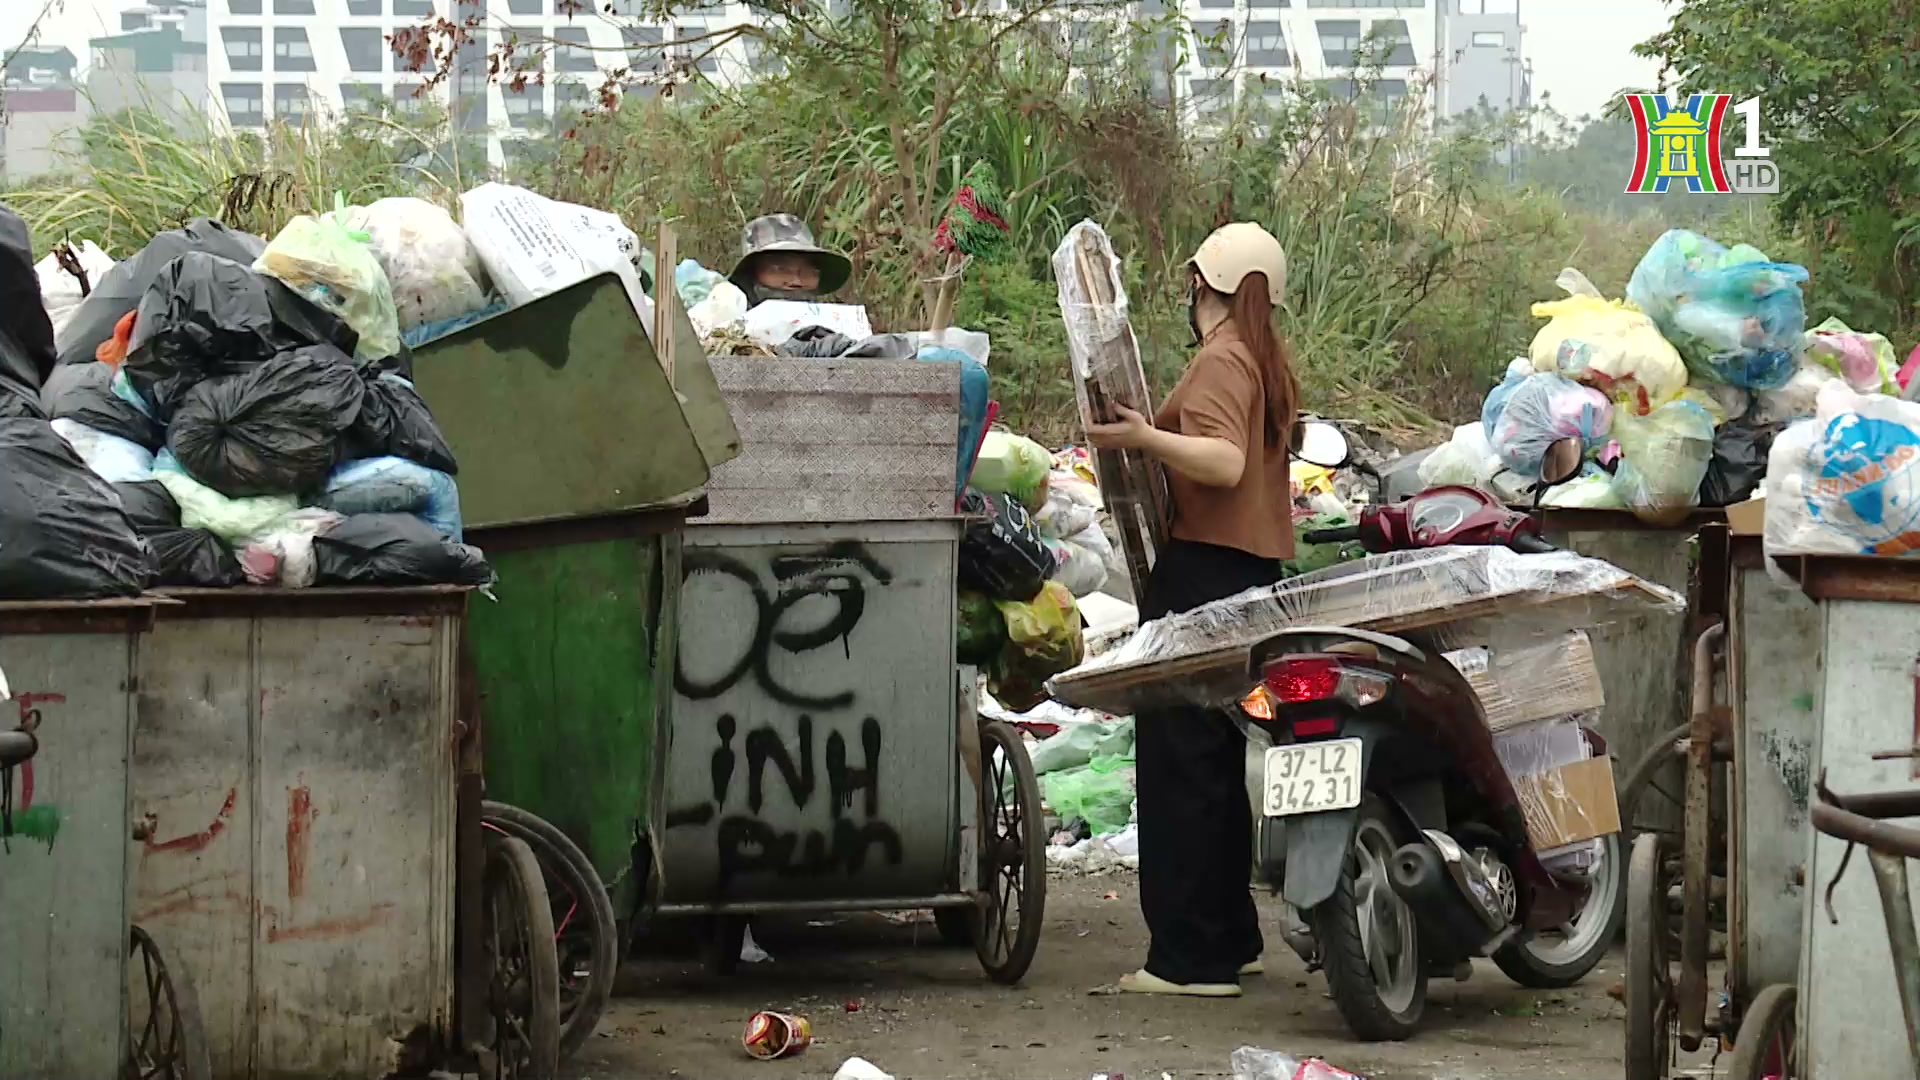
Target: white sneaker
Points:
(1145, 982)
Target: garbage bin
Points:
(297, 752)
(65, 853)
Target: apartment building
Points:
(290, 59)
(41, 111)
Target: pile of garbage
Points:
(222, 410)
(1675, 394)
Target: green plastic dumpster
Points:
(580, 463)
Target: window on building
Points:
(243, 45)
(413, 9)
(133, 20)
(570, 99)
(572, 53)
(1266, 45)
(1215, 44)
(365, 47)
(762, 60)
(643, 47)
(293, 7)
(1489, 39)
(1338, 89)
(291, 49)
(692, 35)
(526, 106)
(411, 98)
(1216, 4)
(364, 8)
(243, 7)
(1149, 9)
(1366, 3)
(1399, 41)
(1487, 7)
(244, 103)
(1268, 5)
(1338, 39)
(291, 102)
(360, 97)
(526, 7)
(1211, 98)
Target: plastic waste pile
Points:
(221, 409)
(1675, 393)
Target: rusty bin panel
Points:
(297, 753)
(63, 871)
(812, 744)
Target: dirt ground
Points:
(892, 994)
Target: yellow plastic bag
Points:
(1310, 479)
(1663, 457)
(1043, 640)
(1607, 344)
(333, 266)
(1013, 465)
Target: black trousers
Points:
(1196, 827)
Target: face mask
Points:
(1193, 310)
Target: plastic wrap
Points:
(1553, 677)
(1607, 345)
(234, 520)
(1467, 459)
(1735, 317)
(391, 485)
(112, 458)
(1462, 596)
(1566, 794)
(1043, 639)
(323, 260)
(430, 264)
(1846, 481)
(1099, 331)
(1527, 413)
(284, 556)
(61, 292)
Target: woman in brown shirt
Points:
(1222, 435)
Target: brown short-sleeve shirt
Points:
(1223, 396)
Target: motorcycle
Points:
(1388, 823)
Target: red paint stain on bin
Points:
(328, 928)
(193, 842)
(299, 817)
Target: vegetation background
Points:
(1415, 254)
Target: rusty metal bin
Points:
(65, 858)
(298, 751)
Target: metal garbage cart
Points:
(582, 523)
(68, 1007)
(312, 790)
(823, 752)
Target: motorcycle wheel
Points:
(1556, 959)
(1369, 941)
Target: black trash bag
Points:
(17, 402)
(275, 430)
(1739, 462)
(205, 317)
(816, 341)
(63, 534)
(148, 505)
(1001, 553)
(194, 559)
(395, 422)
(84, 394)
(119, 290)
(27, 356)
(885, 347)
(394, 549)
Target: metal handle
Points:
(1332, 536)
(1853, 818)
(17, 746)
(1529, 544)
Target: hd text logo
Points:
(1681, 142)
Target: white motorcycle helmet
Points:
(1234, 251)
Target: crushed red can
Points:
(772, 1035)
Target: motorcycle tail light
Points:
(1302, 680)
(1257, 704)
(1319, 725)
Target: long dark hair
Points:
(1252, 313)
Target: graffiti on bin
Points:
(763, 777)
(24, 818)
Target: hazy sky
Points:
(1581, 49)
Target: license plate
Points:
(1311, 777)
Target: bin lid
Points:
(560, 408)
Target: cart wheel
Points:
(1651, 946)
(1653, 802)
(1013, 857)
(1767, 1044)
(585, 936)
(166, 1038)
(523, 988)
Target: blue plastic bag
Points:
(391, 485)
(975, 389)
(1526, 414)
(1735, 317)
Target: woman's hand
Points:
(1130, 432)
